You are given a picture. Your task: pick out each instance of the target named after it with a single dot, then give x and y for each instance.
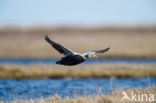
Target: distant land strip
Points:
(79, 71)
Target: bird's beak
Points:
(94, 56)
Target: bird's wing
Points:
(98, 51)
(61, 49)
(101, 51)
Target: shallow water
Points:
(11, 89)
(89, 61)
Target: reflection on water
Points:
(37, 88)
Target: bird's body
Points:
(71, 58)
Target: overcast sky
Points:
(77, 12)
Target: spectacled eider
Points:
(71, 58)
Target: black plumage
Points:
(58, 47)
(71, 60)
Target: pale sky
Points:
(77, 12)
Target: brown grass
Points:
(124, 42)
(115, 97)
(80, 71)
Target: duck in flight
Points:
(72, 58)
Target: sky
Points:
(77, 12)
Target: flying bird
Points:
(72, 58)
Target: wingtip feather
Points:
(107, 48)
(46, 36)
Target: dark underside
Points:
(71, 60)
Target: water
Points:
(11, 89)
(89, 61)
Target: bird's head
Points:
(90, 55)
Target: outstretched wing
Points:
(101, 51)
(94, 52)
(61, 49)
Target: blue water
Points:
(11, 89)
(89, 61)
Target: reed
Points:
(79, 71)
(114, 97)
